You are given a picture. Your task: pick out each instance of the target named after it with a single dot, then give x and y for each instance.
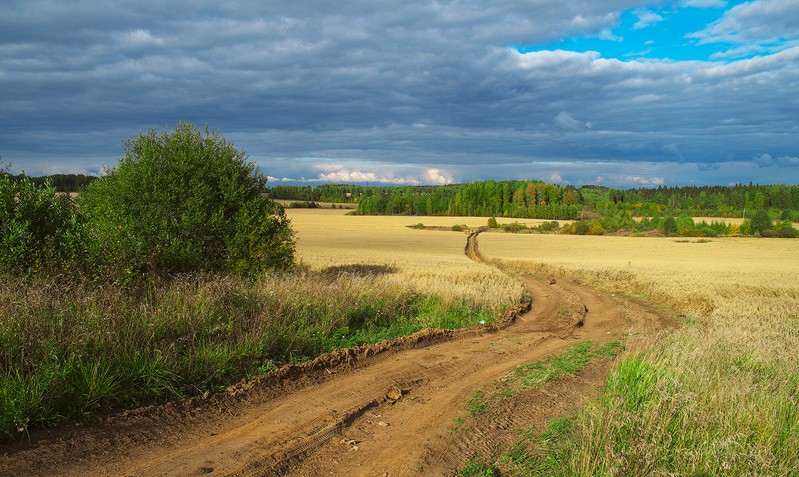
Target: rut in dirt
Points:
(384, 409)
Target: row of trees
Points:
(178, 201)
(685, 226)
(732, 201)
(59, 182)
(536, 199)
(533, 199)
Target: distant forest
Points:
(61, 182)
(529, 199)
(537, 199)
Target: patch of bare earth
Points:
(384, 409)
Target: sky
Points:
(619, 93)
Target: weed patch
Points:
(78, 349)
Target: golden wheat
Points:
(727, 388)
(426, 260)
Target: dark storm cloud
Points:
(339, 90)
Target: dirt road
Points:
(380, 410)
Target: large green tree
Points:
(181, 201)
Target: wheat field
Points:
(426, 260)
(722, 389)
(717, 394)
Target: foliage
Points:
(39, 229)
(492, 223)
(761, 222)
(536, 199)
(60, 182)
(549, 226)
(181, 201)
(77, 348)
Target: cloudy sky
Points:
(621, 93)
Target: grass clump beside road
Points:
(536, 374)
(75, 349)
(717, 396)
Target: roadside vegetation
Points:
(716, 396)
(173, 275)
(76, 348)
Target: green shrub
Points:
(582, 227)
(514, 227)
(761, 222)
(549, 226)
(182, 201)
(39, 230)
(492, 223)
(457, 228)
(786, 230)
(669, 226)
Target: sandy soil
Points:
(381, 410)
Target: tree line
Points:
(525, 199)
(60, 182)
(537, 199)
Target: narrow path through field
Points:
(366, 413)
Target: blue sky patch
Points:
(648, 33)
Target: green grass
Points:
(475, 468)
(537, 373)
(79, 349)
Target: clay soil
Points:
(388, 409)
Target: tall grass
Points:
(78, 348)
(717, 396)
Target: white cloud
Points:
(764, 160)
(754, 24)
(646, 19)
(788, 161)
(565, 122)
(438, 177)
(704, 3)
(647, 181)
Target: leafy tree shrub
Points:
(581, 227)
(492, 223)
(746, 227)
(182, 201)
(669, 226)
(549, 226)
(596, 229)
(761, 222)
(39, 229)
(514, 227)
(786, 230)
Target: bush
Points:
(183, 201)
(492, 223)
(786, 230)
(761, 222)
(457, 228)
(596, 229)
(669, 226)
(514, 227)
(581, 228)
(39, 230)
(549, 226)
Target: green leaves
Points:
(181, 201)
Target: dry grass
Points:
(717, 396)
(427, 261)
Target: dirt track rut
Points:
(386, 412)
